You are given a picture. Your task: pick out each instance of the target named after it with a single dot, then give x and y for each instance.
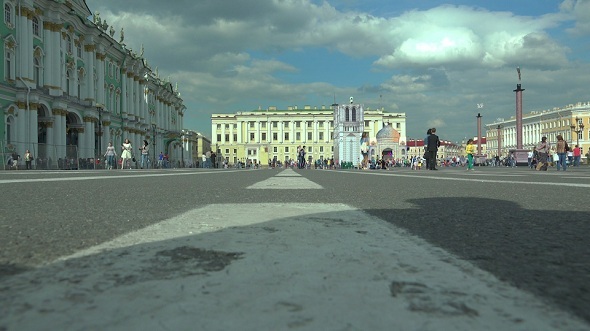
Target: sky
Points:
(433, 60)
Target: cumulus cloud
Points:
(434, 64)
(580, 10)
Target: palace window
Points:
(286, 149)
(321, 136)
(37, 71)
(309, 136)
(298, 136)
(68, 81)
(275, 136)
(9, 64)
(79, 49)
(251, 136)
(8, 15)
(68, 44)
(226, 137)
(263, 136)
(36, 27)
(286, 135)
(235, 137)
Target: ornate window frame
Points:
(9, 15)
(9, 58)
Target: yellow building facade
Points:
(572, 122)
(263, 135)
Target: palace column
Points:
(50, 148)
(258, 131)
(123, 100)
(24, 27)
(239, 129)
(100, 95)
(88, 145)
(21, 133)
(132, 96)
(90, 57)
(33, 125)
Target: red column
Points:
(518, 116)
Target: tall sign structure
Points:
(349, 125)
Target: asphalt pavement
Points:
(275, 249)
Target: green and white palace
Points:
(70, 85)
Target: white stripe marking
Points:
(286, 180)
(310, 266)
(464, 179)
(136, 175)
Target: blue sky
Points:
(433, 60)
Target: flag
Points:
(479, 105)
(518, 71)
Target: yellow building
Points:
(572, 122)
(264, 135)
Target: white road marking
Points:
(136, 175)
(287, 179)
(303, 266)
(463, 179)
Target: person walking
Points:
(426, 156)
(28, 160)
(561, 148)
(126, 153)
(364, 142)
(543, 151)
(145, 152)
(469, 151)
(208, 159)
(160, 160)
(577, 156)
(432, 149)
(110, 155)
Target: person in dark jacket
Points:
(432, 149)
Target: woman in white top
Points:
(126, 153)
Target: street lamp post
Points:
(499, 128)
(216, 155)
(154, 162)
(99, 110)
(578, 128)
(182, 148)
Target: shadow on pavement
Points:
(333, 260)
(544, 252)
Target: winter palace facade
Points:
(69, 87)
